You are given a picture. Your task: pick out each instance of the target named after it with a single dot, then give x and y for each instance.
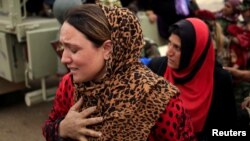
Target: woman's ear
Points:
(107, 49)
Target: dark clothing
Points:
(158, 65)
(34, 6)
(222, 113)
(126, 3)
(166, 12)
(49, 2)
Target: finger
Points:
(83, 138)
(248, 110)
(88, 111)
(247, 98)
(77, 105)
(91, 121)
(248, 104)
(228, 69)
(244, 104)
(89, 132)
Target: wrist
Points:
(248, 111)
(60, 130)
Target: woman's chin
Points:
(76, 79)
(172, 66)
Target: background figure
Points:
(240, 38)
(40, 8)
(243, 107)
(229, 14)
(34, 7)
(115, 96)
(150, 49)
(132, 5)
(245, 10)
(220, 41)
(164, 12)
(240, 43)
(47, 7)
(205, 87)
(110, 2)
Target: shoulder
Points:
(158, 65)
(67, 77)
(174, 123)
(66, 81)
(66, 86)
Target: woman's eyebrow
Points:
(69, 45)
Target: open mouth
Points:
(73, 70)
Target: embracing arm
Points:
(173, 124)
(67, 120)
(239, 74)
(61, 106)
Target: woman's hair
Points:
(174, 30)
(90, 20)
(185, 30)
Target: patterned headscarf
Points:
(130, 97)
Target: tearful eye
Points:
(74, 51)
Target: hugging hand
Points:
(74, 124)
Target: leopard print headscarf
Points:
(130, 97)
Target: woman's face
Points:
(248, 26)
(246, 14)
(174, 51)
(227, 9)
(84, 60)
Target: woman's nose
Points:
(65, 57)
(169, 50)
